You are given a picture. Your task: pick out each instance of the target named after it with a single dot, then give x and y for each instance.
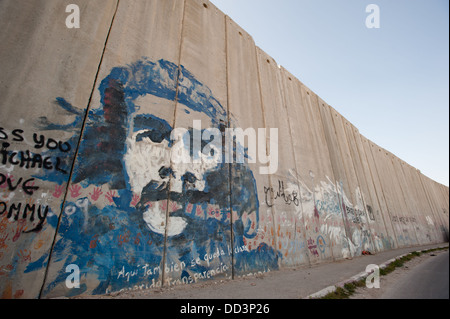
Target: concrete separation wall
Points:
(156, 145)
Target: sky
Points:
(391, 82)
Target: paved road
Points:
(428, 280)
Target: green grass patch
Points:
(339, 293)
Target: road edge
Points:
(362, 275)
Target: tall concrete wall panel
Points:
(335, 136)
(203, 53)
(386, 178)
(435, 215)
(252, 216)
(410, 207)
(424, 230)
(444, 197)
(322, 220)
(352, 203)
(157, 145)
(282, 192)
(48, 74)
(380, 211)
(365, 214)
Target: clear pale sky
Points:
(391, 82)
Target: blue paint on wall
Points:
(114, 243)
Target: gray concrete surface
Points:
(296, 283)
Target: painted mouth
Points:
(182, 208)
(179, 215)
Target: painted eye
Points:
(189, 177)
(164, 172)
(154, 135)
(70, 210)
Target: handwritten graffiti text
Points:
(289, 198)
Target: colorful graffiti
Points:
(26, 212)
(133, 218)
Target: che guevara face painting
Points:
(140, 217)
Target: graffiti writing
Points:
(288, 197)
(355, 214)
(28, 159)
(370, 212)
(312, 246)
(27, 185)
(39, 140)
(403, 219)
(25, 211)
(321, 243)
(51, 144)
(146, 270)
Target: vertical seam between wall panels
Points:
(166, 225)
(76, 151)
(229, 164)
